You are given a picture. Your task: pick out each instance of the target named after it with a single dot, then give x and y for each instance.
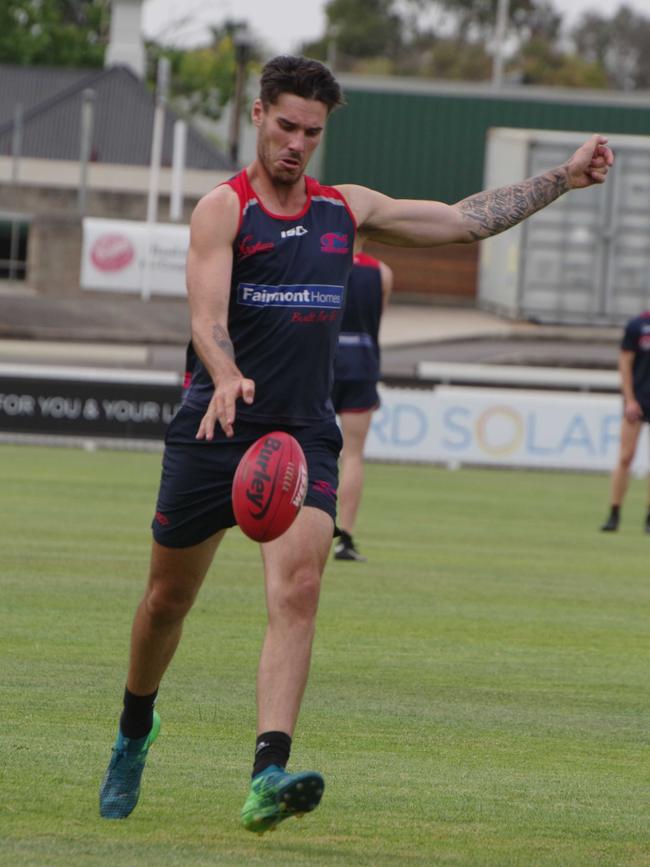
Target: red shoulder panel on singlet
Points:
(366, 261)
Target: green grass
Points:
(479, 689)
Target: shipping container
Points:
(583, 259)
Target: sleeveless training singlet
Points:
(636, 339)
(358, 350)
(286, 297)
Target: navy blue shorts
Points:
(355, 395)
(194, 500)
(645, 409)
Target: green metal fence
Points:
(419, 140)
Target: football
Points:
(269, 487)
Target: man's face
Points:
(288, 133)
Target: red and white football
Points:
(269, 487)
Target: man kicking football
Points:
(270, 252)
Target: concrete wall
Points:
(54, 255)
(34, 201)
(45, 194)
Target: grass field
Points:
(479, 689)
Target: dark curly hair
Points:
(301, 76)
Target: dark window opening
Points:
(13, 248)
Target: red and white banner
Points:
(131, 256)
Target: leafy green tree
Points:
(539, 62)
(475, 20)
(203, 78)
(453, 40)
(621, 44)
(358, 30)
(540, 57)
(54, 32)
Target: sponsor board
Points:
(116, 254)
(69, 407)
(500, 427)
(447, 425)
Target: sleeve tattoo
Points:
(223, 341)
(494, 211)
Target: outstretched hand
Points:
(590, 163)
(221, 408)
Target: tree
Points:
(203, 79)
(54, 32)
(536, 51)
(359, 29)
(540, 57)
(539, 62)
(475, 20)
(621, 44)
(453, 39)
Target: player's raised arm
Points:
(209, 270)
(417, 223)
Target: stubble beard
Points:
(281, 177)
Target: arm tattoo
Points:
(494, 211)
(220, 337)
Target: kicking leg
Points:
(293, 566)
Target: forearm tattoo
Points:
(494, 211)
(220, 337)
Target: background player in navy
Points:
(356, 373)
(269, 256)
(634, 367)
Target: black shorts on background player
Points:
(636, 339)
(356, 366)
(355, 395)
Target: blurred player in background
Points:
(355, 397)
(634, 368)
(270, 254)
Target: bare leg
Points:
(620, 476)
(175, 576)
(293, 566)
(355, 426)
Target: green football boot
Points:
(276, 795)
(120, 788)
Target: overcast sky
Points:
(284, 24)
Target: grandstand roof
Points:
(123, 120)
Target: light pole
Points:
(162, 92)
(85, 149)
(242, 42)
(499, 42)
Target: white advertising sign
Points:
(126, 255)
(508, 427)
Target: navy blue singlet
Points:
(286, 297)
(358, 350)
(636, 339)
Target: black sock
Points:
(271, 748)
(615, 512)
(137, 717)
